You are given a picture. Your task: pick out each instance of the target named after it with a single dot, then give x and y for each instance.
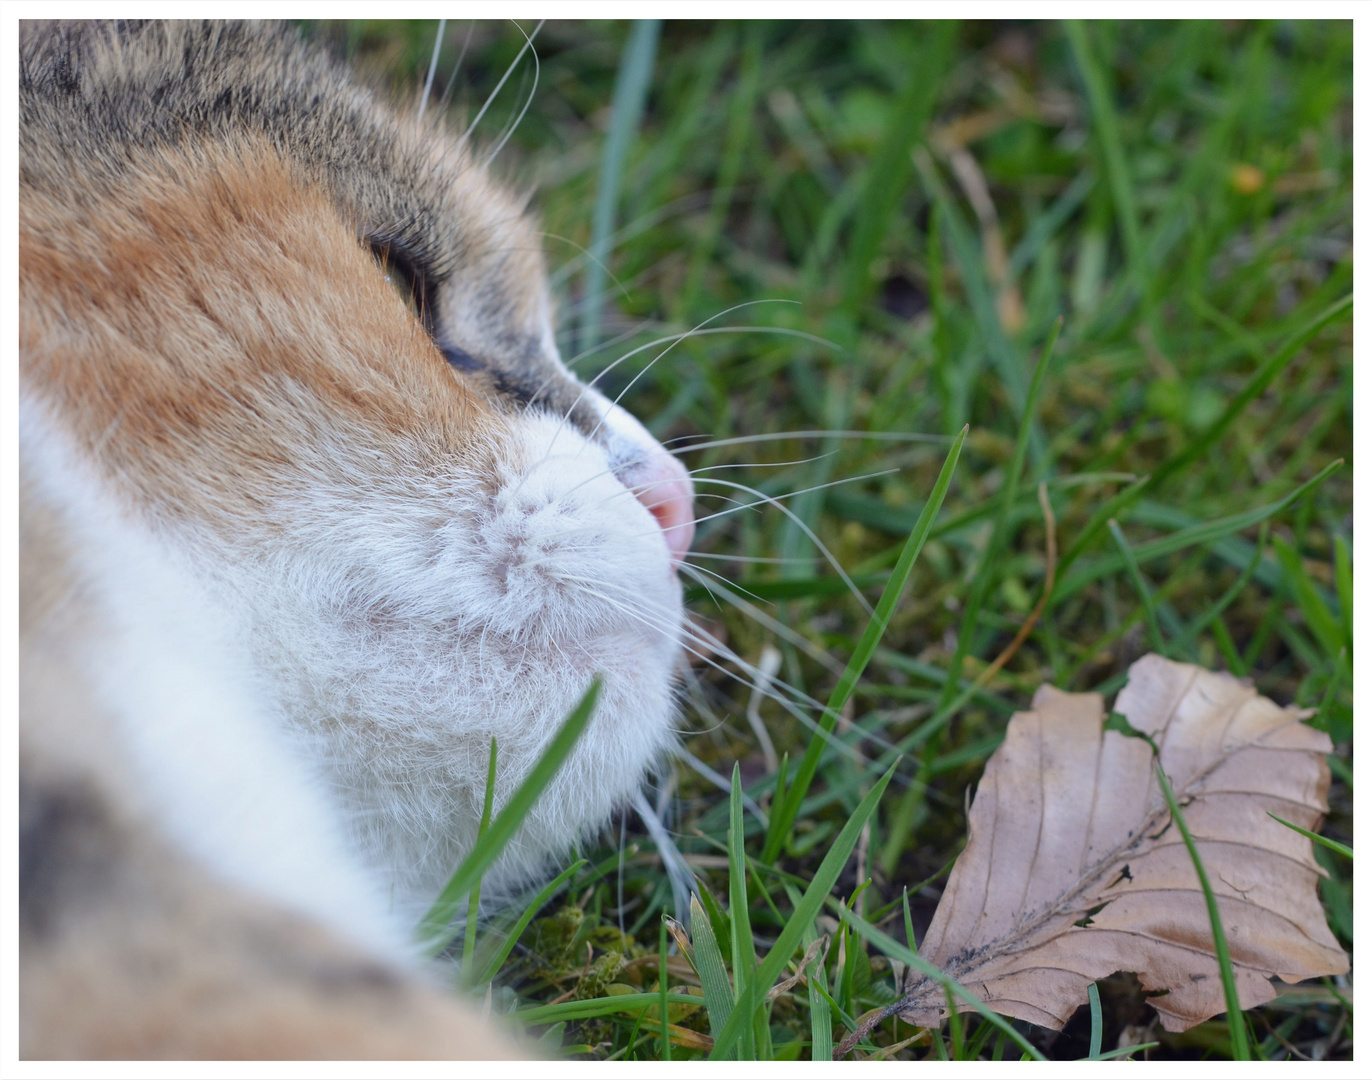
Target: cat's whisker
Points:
(681, 205)
(620, 396)
(809, 532)
(623, 291)
(722, 557)
(433, 67)
(533, 90)
(528, 44)
(678, 873)
(804, 644)
(809, 648)
(674, 340)
(704, 771)
(740, 440)
(754, 682)
(638, 490)
(762, 498)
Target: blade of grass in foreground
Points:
(804, 914)
(604, 1006)
(784, 816)
(821, 1016)
(744, 956)
(474, 904)
(1332, 845)
(435, 929)
(493, 965)
(1238, 1032)
(719, 999)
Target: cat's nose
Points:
(656, 478)
(664, 487)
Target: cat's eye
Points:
(397, 280)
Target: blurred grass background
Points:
(907, 209)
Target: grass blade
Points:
(1238, 1032)
(1343, 582)
(744, 958)
(594, 1007)
(719, 998)
(1220, 606)
(434, 930)
(783, 816)
(888, 175)
(662, 989)
(1097, 1022)
(1111, 508)
(988, 565)
(631, 91)
(1140, 586)
(1205, 533)
(1194, 449)
(896, 951)
(493, 965)
(1260, 381)
(1106, 128)
(1317, 616)
(474, 904)
(1324, 841)
(821, 1016)
(1006, 357)
(737, 142)
(810, 904)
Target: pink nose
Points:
(665, 488)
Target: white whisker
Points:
(694, 635)
(528, 44)
(674, 341)
(533, 90)
(769, 560)
(776, 626)
(740, 440)
(709, 774)
(433, 67)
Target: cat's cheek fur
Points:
(415, 616)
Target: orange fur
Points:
(165, 328)
(291, 541)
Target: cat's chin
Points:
(406, 627)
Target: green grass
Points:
(1181, 194)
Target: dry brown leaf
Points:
(1066, 820)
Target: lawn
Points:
(873, 230)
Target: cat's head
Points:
(422, 528)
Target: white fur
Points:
(389, 614)
(219, 774)
(412, 617)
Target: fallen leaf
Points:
(1073, 869)
(798, 975)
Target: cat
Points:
(311, 512)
